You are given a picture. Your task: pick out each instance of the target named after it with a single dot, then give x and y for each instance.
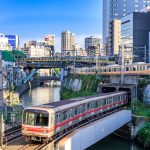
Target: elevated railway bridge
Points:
(118, 76)
(35, 63)
(61, 62)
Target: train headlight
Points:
(46, 130)
(23, 128)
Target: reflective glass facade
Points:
(135, 29)
(116, 9)
(13, 41)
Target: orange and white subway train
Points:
(48, 121)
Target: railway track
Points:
(12, 134)
(33, 146)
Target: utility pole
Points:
(1, 130)
(145, 54)
(121, 60)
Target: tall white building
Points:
(116, 9)
(67, 43)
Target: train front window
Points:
(36, 119)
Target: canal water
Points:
(41, 95)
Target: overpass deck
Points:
(42, 62)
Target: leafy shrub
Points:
(143, 135)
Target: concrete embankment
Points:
(86, 136)
(77, 86)
(25, 87)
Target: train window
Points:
(88, 106)
(109, 101)
(93, 104)
(76, 111)
(140, 68)
(37, 119)
(82, 108)
(103, 102)
(116, 99)
(143, 67)
(124, 97)
(127, 68)
(65, 115)
(97, 104)
(58, 118)
(62, 116)
(119, 97)
(71, 113)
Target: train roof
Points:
(62, 103)
(57, 103)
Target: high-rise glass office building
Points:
(116, 9)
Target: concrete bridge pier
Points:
(63, 73)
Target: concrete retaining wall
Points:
(72, 84)
(25, 87)
(86, 136)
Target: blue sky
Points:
(32, 19)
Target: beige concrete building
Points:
(28, 44)
(67, 43)
(40, 51)
(115, 37)
(50, 43)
